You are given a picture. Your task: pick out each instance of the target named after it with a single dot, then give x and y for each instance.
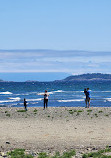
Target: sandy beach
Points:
(55, 129)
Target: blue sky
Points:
(55, 25)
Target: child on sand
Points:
(25, 104)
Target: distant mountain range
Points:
(83, 77)
(92, 76)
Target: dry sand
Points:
(55, 129)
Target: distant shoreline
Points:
(74, 78)
(59, 81)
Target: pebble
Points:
(89, 149)
(7, 142)
(3, 154)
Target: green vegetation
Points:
(57, 155)
(68, 154)
(35, 111)
(99, 154)
(80, 111)
(89, 110)
(6, 111)
(8, 115)
(96, 115)
(106, 115)
(71, 112)
(43, 155)
(18, 153)
(100, 111)
(21, 110)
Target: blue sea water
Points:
(60, 93)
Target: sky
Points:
(59, 26)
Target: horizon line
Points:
(48, 49)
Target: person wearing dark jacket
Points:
(46, 99)
(25, 104)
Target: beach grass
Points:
(21, 110)
(19, 153)
(100, 111)
(8, 115)
(43, 155)
(71, 111)
(98, 154)
(89, 110)
(80, 111)
(106, 115)
(96, 114)
(57, 155)
(35, 110)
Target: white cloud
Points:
(75, 62)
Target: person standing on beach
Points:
(85, 90)
(46, 99)
(25, 104)
(88, 96)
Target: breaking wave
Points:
(73, 100)
(7, 92)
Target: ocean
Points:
(69, 94)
